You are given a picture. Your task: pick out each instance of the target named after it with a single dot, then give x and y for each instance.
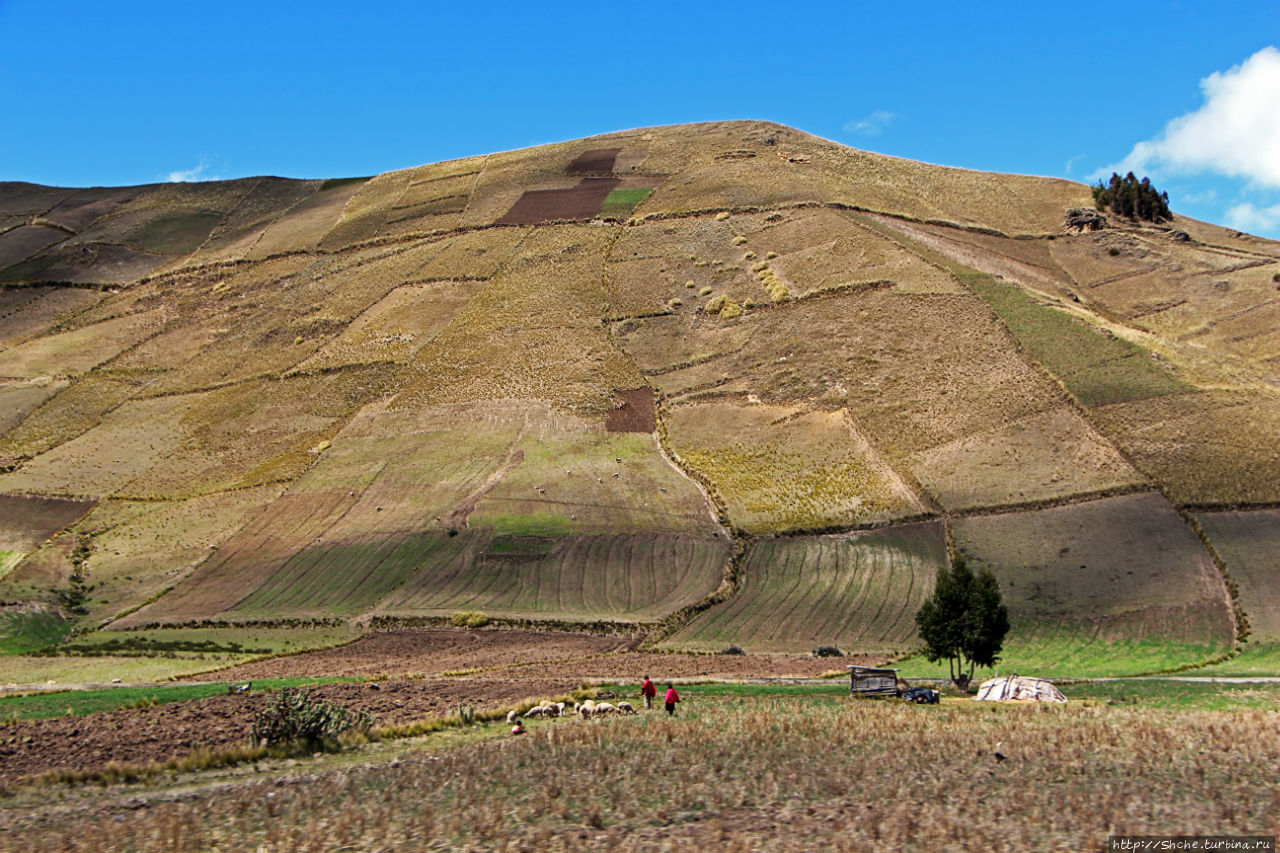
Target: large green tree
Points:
(964, 622)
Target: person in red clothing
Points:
(672, 698)
(648, 691)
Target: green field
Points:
(1095, 366)
(39, 706)
(28, 631)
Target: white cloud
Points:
(1247, 217)
(197, 173)
(1235, 133)
(871, 124)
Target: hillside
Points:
(730, 379)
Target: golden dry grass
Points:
(780, 469)
(756, 774)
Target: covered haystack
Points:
(1018, 688)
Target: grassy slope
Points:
(865, 379)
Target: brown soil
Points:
(162, 732)
(598, 161)
(580, 202)
(432, 652)
(635, 414)
(508, 667)
(29, 520)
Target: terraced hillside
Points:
(728, 379)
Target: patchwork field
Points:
(714, 377)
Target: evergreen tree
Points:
(1132, 199)
(964, 622)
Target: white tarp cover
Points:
(1018, 688)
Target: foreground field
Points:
(739, 768)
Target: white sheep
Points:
(587, 708)
(511, 717)
(625, 708)
(535, 711)
(606, 708)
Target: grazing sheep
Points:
(587, 708)
(511, 717)
(606, 708)
(535, 711)
(625, 708)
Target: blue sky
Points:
(134, 92)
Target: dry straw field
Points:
(824, 774)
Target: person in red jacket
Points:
(648, 691)
(672, 698)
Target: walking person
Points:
(648, 691)
(671, 699)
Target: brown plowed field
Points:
(162, 732)
(515, 666)
(598, 161)
(580, 202)
(524, 655)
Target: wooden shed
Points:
(868, 681)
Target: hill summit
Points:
(725, 383)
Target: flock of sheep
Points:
(589, 708)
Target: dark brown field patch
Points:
(598, 161)
(87, 263)
(581, 202)
(635, 413)
(28, 520)
(20, 243)
(85, 207)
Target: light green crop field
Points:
(858, 592)
(1047, 651)
(1097, 368)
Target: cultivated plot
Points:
(1205, 448)
(1124, 569)
(782, 469)
(1249, 543)
(857, 591)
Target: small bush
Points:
(739, 240)
(771, 255)
(689, 283)
(734, 650)
(827, 652)
(675, 302)
(469, 619)
(705, 291)
(722, 216)
(296, 717)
